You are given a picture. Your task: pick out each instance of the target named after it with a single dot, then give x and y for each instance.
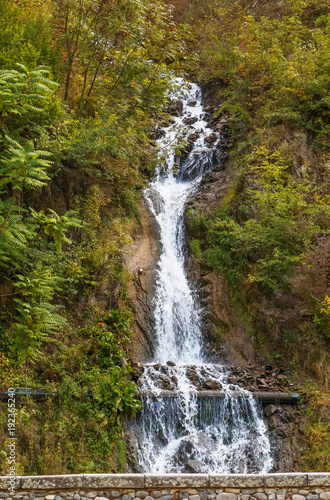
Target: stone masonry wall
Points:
(311, 486)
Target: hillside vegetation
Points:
(267, 63)
(81, 86)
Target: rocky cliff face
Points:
(141, 263)
(223, 328)
(226, 333)
(286, 432)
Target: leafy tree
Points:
(115, 68)
(111, 47)
(25, 34)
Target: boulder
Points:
(194, 466)
(170, 363)
(212, 137)
(212, 384)
(175, 108)
(190, 120)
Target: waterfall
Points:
(186, 433)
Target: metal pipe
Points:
(263, 397)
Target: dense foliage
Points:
(268, 62)
(81, 86)
(270, 233)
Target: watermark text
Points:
(11, 441)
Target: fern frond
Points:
(22, 67)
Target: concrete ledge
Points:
(51, 482)
(236, 481)
(177, 480)
(287, 479)
(6, 481)
(319, 479)
(100, 481)
(140, 482)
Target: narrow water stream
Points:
(186, 433)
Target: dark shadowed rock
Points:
(213, 384)
(270, 410)
(194, 466)
(212, 137)
(190, 121)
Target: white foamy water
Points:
(177, 315)
(185, 433)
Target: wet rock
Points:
(191, 447)
(131, 443)
(208, 109)
(212, 384)
(175, 108)
(165, 383)
(201, 151)
(192, 375)
(192, 102)
(194, 466)
(188, 147)
(227, 144)
(212, 137)
(193, 137)
(190, 120)
(170, 363)
(270, 410)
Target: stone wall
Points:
(311, 486)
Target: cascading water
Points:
(186, 433)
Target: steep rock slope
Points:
(141, 263)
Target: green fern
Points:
(22, 166)
(36, 318)
(21, 90)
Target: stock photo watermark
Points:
(11, 441)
